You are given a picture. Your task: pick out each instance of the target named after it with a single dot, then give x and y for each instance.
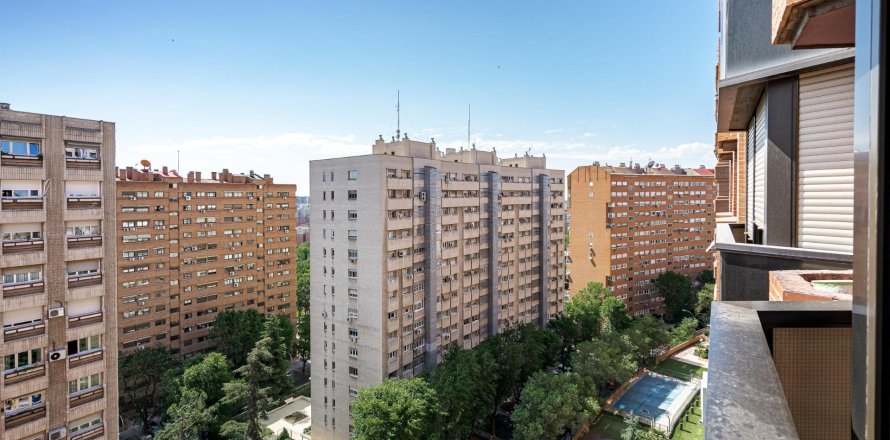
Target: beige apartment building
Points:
(413, 250)
(57, 261)
(191, 247)
(630, 224)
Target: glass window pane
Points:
(8, 362)
(94, 341)
(19, 148)
(23, 359)
(82, 345)
(4, 146)
(72, 387)
(33, 149)
(36, 356)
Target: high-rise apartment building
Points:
(57, 261)
(191, 247)
(631, 224)
(413, 250)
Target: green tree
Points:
(459, 381)
(303, 277)
(704, 297)
(596, 311)
(706, 277)
(209, 376)
(607, 361)
(634, 430)
(676, 290)
(251, 390)
(188, 418)
(568, 333)
(140, 377)
(505, 376)
(235, 332)
(683, 331)
(280, 332)
(551, 404)
(302, 349)
(395, 410)
(647, 334)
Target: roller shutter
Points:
(825, 160)
(760, 165)
(749, 177)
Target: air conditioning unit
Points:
(57, 355)
(423, 195)
(58, 433)
(324, 314)
(56, 312)
(353, 338)
(141, 347)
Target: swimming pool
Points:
(657, 399)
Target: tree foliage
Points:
(252, 390)
(676, 290)
(595, 311)
(235, 332)
(551, 404)
(634, 430)
(683, 331)
(706, 277)
(280, 332)
(303, 277)
(188, 418)
(140, 375)
(703, 300)
(302, 348)
(395, 410)
(607, 361)
(459, 381)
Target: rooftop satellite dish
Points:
(651, 163)
(145, 163)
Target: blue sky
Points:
(270, 85)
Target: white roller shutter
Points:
(760, 165)
(749, 177)
(825, 160)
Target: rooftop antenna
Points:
(398, 115)
(177, 161)
(469, 118)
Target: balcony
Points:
(13, 377)
(15, 160)
(779, 370)
(14, 419)
(84, 241)
(17, 332)
(85, 319)
(84, 280)
(90, 433)
(84, 202)
(743, 268)
(84, 358)
(86, 396)
(21, 203)
(21, 289)
(15, 247)
(812, 24)
(83, 164)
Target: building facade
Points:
(191, 247)
(414, 250)
(57, 261)
(631, 224)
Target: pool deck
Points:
(688, 355)
(651, 412)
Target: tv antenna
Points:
(398, 115)
(469, 118)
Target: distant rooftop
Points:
(400, 145)
(658, 169)
(165, 174)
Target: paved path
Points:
(688, 355)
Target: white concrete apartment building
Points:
(413, 250)
(57, 263)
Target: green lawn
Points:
(678, 369)
(689, 428)
(609, 426)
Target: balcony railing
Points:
(84, 358)
(84, 202)
(86, 396)
(21, 203)
(90, 433)
(19, 418)
(23, 374)
(84, 280)
(84, 241)
(19, 289)
(89, 164)
(15, 160)
(14, 247)
(85, 319)
(17, 332)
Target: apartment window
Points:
(22, 277)
(353, 352)
(353, 273)
(353, 234)
(85, 424)
(352, 215)
(83, 345)
(353, 371)
(90, 153)
(353, 293)
(352, 194)
(22, 360)
(22, 236)
(21, 193)
(19, 148)
(84, 383)
(17, 405)
(352, 175)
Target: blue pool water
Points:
(651, 396)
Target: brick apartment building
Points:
(413, 250)
(631, 224)
(57, 261)
(190, 247)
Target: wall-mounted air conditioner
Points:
(56, 312)
(57, 355)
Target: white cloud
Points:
(587, 134)
(552, 131)
(286, 156)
